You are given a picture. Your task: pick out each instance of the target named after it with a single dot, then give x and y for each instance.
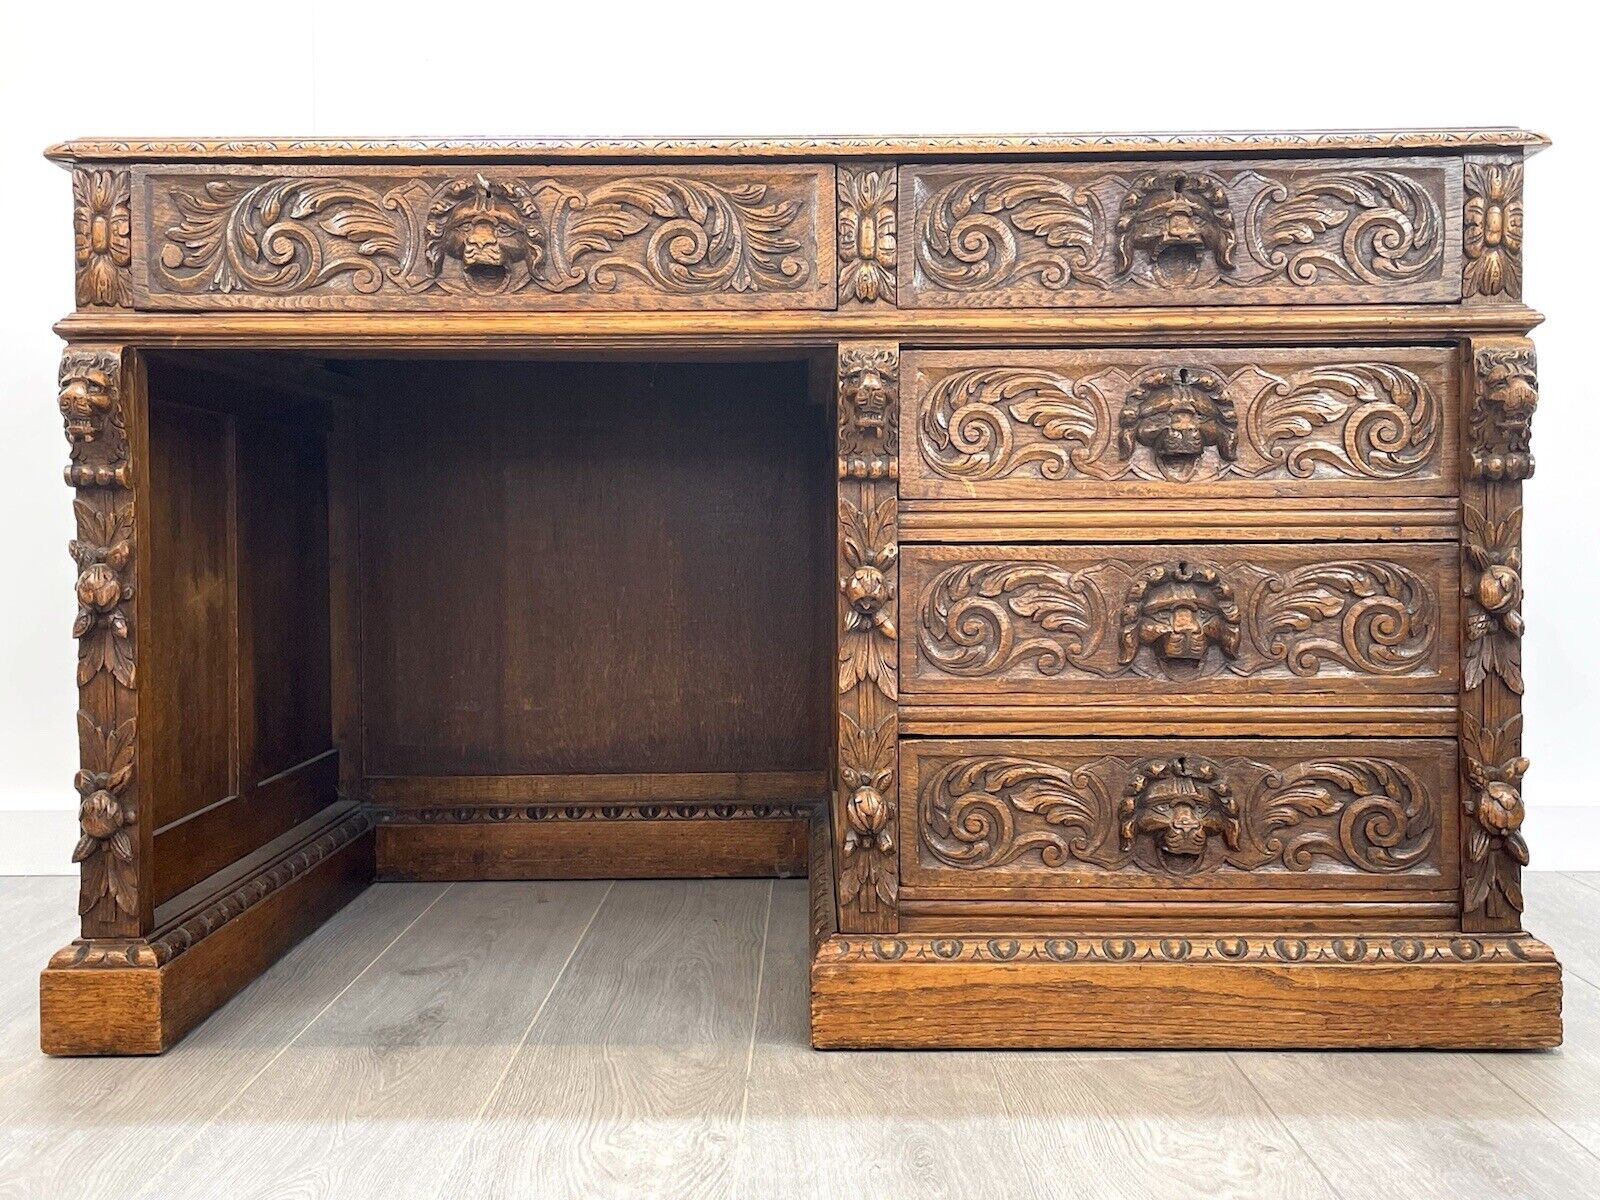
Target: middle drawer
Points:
(1186, 620)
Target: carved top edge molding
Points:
(1029, 145)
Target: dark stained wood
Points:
(1110, 547)
(638, 592)
(558, 847)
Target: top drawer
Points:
(442, 238)
(1016, 235)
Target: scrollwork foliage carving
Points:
(475, 235)
(1179, 621)
(1180, 815)
(1357, 420)
(1066, 234)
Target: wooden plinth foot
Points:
(1293, 991)
(141, 996)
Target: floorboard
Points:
(40, 918)
(374, 1097)
(101, 1127)
(631, 1080)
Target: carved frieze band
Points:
(1504, 394)
(868, 198)
(1180, 616)
(868, 607)
(464, 814)
(91, 399)
(1179, 811)
(1039, 419)
(717, 237)
(1211, 232)
(1424, 948)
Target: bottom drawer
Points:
(1037, 818)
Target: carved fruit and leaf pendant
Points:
(867, 641)
(1495, 846)
(105, 846)
(866, 771)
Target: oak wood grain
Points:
(638, 1058)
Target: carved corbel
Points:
(866, 799)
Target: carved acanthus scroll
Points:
(1181, 814)
(866, 793)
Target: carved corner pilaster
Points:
(1502, 394)
(103, 421)
(868, 197)
(866, 788)
(1491, 229)
(102, 237)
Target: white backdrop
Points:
(394, 67)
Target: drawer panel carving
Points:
(523, 238)
(1217, 232)
(1179, 620)
(1111, 423)
(1239, 813)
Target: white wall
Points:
(364, 68)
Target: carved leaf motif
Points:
(967, 625)
(1494, 808)
(708, 238)
(283, 235)
(1384, 420)
(867, 197)
(105, 849)
(102, 236)
(1367, 814)
(1389, 228)
(968, 418)
(867, 641)
(1386, 618)
(970, 232)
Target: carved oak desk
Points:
(1096, 559)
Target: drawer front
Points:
(1217, 232)
(624, 238)
(1181, 621)
(1057, 424)
(1196, 812)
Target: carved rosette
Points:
(1182, 424)
(1181, 815)
(1491, 241)
(102, 241)
(868, 193)
(1504, 393)
(91, 399)
(868, 608)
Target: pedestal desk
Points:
(1095, 560)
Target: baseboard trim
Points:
(139, 996)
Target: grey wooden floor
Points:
(648, 1040)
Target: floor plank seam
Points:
(477, 1121)
(1544, 1116)
(1288, 1132)
(755, 1026)
(177, 1155)
(1583, 878)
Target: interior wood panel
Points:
(189, 679)
(606, 567)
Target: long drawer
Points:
(1052, 814)
(1178, 425)
(1179, 621)
(1199, 232)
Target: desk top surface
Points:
(1052, 145)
